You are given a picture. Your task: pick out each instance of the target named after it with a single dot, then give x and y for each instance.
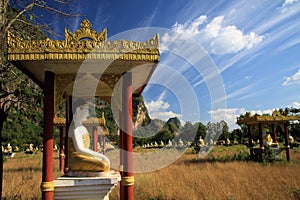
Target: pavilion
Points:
(56, 66)
(263, 122)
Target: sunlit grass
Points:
(22, 176)
(184, 179)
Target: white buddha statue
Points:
(81, 157)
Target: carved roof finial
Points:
(85, 24)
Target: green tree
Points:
(175, 121)
(171, 126)
(201, 131)
(164, 135)
(25, 20)
(188, 132)
(237, 135)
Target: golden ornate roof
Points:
(85, 43)
(103, 62)
(276, 117)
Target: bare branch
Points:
(6, 94)
(56, 11)
(25, 22)
(62, 1)
(26, 8)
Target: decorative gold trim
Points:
(89, 122)
(127, 180)
(47, 186)
(62, 155)
(85, 43)
(67, 80)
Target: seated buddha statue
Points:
(291, 139)
(268, 140)
(81, 157)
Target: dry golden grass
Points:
(22, 176)
(193, 180)
(187, 178)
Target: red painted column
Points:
(69, 118)
(250, 141)
(127, 182)
(274, 133)
(47, 185)
(287, 144)
(121, 153)
(61, 149)
(95, 138)
(104, 144)
(261, 140)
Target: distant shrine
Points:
(266, 126)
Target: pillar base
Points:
(86, 187)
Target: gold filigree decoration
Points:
(85, 43)
(85, 32)
(67, 80)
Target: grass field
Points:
(187, 178)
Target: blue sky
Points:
(244, 56)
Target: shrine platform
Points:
(91, 188)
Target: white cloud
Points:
(294, 79)
(230, 115)
(163, 115)
(157, 105)
(217, 38)
(159, 110)
(286, 4)
(296, 104)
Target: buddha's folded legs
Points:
(79, 162)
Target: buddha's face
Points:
(82, 113)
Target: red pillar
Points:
(69, 118)
(250, 141)
(261, 141)
(95, 138)
(274, 133)
(47, 185)
(121, 154)
(127, 182)
(61, 149)
(104, 144)
(287, 144)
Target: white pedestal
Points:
(88, 188)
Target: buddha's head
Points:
(81, 111)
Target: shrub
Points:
(271, 155)
(190, 150)
(4, 159)
(296, 193)
(242, 156)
